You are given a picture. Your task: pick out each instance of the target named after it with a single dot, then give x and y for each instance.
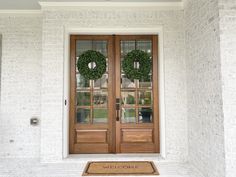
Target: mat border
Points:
(85, 173)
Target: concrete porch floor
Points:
(74, 165)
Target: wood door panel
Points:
(91, 136)
(91, 148)
(137, 129)
(137, 147)
(91, 121)
(119, 125)
(137, 135)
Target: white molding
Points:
(159, 5)
(68, 5)
(20, 11)
(184, 2)
(96, 31)
(111, 31)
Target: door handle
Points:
(117, 109)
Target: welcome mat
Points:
(104, 168)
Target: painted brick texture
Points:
(20, 84)
(204, 91)
(54, 22)
(199, 69)
(22, 68)
(227, 9)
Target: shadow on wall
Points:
(0, 64)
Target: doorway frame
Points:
(158, 30)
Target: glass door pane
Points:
(92, 95)
(136, 95)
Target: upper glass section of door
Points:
(92, 96)
(136, 95)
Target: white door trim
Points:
(98, 31)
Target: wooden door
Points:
(137, 128)
(91, 102)
(114, 114)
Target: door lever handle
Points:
(117, 115)
(117, 109)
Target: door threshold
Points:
(114, 157)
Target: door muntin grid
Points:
(136, 95)
(92, 95)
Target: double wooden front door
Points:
(114, 114)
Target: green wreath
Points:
(144, 60)
(91, 56)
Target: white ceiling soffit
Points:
(37, 4)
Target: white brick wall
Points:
(33, 51)
(22, 67)
(54, 22)
(228, 67)
(20, 84)
(204, 87)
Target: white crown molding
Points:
(68, 5)
(159, 5)
(20, 12)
